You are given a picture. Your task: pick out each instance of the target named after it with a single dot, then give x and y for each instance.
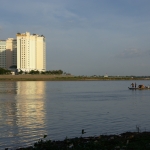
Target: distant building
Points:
(3, 54)
(8, 53)
(31, 52)
(106, 76)
(11, 52)
(27, 52)
(13, 69)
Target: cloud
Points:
(132, 53)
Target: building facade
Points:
(11, 52)
(31, 52)
(8, 53)
(3, 54)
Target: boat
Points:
(139, 88)
(132, 88)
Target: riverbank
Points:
(40, 77)
(124, 141)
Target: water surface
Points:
(30, 109)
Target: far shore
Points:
(39, 77)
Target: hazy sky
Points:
(85, 37)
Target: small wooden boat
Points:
(145, 88)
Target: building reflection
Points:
(8, 88)
(22, 111)
(31, 103)
(7, 103)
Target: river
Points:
(31, 109)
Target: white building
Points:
(31, 52)
(106, 76)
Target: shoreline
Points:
(29, 77)
(124, 141)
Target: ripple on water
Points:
(28, 110)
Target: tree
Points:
(20, 72)
(4, 71)
(34, 72)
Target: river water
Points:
(31, 109)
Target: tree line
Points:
(52, 72)
(57, 72)
(4, 71)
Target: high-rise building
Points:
(8, 53)
(3, 54)
(27, 52)
(31, 52)
(11, 52)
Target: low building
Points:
(105, 76)
(13, 69)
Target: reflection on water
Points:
(22, 114)
(28, 110)
(8, 88)
(31, 106)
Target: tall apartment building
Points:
(3, 54)
(31, 52)
(8, 53)
(11, 52)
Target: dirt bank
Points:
(32, 77)
(29, 77)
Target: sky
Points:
(85, 37)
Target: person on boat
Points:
(141, 86)
(135, 84)
(132, 85)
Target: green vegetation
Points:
(125, 141)
(59, 75)
(53, 72)
(34, 72)
(4, 71)
(20, 72)
(57, 72)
